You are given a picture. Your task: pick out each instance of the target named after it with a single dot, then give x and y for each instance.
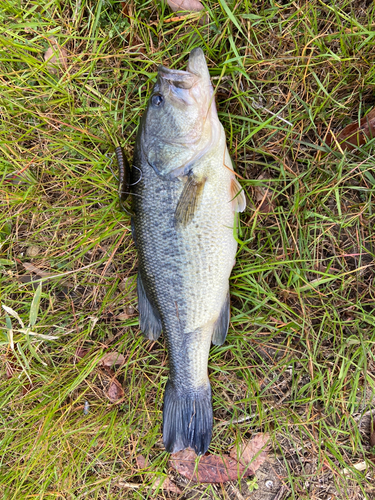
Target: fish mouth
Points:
(196, 70)
(197, 64)
(177, 78)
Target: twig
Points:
(64, 274)
(280, 493)
(259, 106)
(237, 492)
(123, 484)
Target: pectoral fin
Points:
(237, 195)
(222, 323)
(189, 201)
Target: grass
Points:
(299, 358)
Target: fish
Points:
(185, 205)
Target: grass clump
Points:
(299, 359)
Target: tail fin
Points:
(187, 419)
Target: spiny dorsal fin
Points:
(237, 196)
(189, 201)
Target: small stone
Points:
(33, 251)
(129, 311)
(123, 284)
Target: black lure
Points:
(124, 175)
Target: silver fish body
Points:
(184, 210)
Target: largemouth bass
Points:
(185, 197)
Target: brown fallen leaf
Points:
(122, 316)
(125, 9)
(56, 56)
(129, 311)
(165, 484)
(81, 352)
(141, 461)
(263, 196)
(253, 452)
(33, 269)
(115, 391)
(354, 134)
(11, 370)
(210, 468)
(26, 278)
(112, 359)
(26, 388)
(361, 466)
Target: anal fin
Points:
(149, 318)
(189, 201)
(222, 323)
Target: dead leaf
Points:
(26, 388)
(125, 9)
(11, 369)
(81, 352)
(263, 195)
(129, 311)
(115, 391)
(254, 452)
(122, 316)
(354, 134)
(165, 484)
(56, 56)
(33, 269)
(141, 461)
(210, 468)
(112, 359)
(43, 274)
(361, 466)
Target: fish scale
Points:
(184, 265)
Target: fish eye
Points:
(157, 99)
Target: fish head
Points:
(176, 124)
